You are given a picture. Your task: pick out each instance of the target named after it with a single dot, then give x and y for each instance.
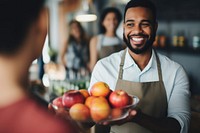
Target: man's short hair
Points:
(141, 3)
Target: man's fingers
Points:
(133, 112)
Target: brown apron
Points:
(152, 95)
(107, 50)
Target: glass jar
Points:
(196, 42)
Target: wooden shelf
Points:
(183, 50)
(177, 10)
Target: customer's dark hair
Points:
(103, 15)
(141, 3)
(15, 18)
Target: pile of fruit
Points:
(99, 104)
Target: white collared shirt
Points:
(174, 77)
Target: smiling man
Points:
(163, 91)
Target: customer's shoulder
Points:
(36, 118)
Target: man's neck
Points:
(141, 59)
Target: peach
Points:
(99, 109)
(79, 112)
(100, 89)
(89, 100)
(84, 92)
(116, 113)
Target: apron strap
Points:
(122, 64)
(101, 38)
(158, 66)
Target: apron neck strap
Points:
(122, 64)
(101, 39)
(158, 66)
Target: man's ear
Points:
(156, 26)
(123, 25)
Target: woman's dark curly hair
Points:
(103, 15)
(83, 35)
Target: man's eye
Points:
(130, 25)
(145, 24)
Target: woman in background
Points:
(74, 54)
(107, 41)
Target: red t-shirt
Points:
(27, 116)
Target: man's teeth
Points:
(137, 39)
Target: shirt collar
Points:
(130, 62)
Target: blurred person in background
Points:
(75, 54)
(107, 41)
(23, 25)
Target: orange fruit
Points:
(89, 100)
(116, 113)
(79, 112)
(99, 109)
(100, 89)
(84, 92)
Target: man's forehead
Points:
(138, 13)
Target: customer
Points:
(75, 53)
(107, 41)
(160, 83)
(23, 29)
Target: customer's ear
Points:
(42, 21)
(41, 25)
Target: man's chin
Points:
(138, 50)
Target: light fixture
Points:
(85, 14)
(86, 17)
(123, 1)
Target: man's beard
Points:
(147, 45)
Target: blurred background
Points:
(178, 37)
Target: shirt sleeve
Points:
(179, 101)
(95, 75)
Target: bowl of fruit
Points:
(99, 105)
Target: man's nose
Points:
(137, 29)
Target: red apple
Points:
(100, 89)
(72, 97)
(119, 98)
(58, 102)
